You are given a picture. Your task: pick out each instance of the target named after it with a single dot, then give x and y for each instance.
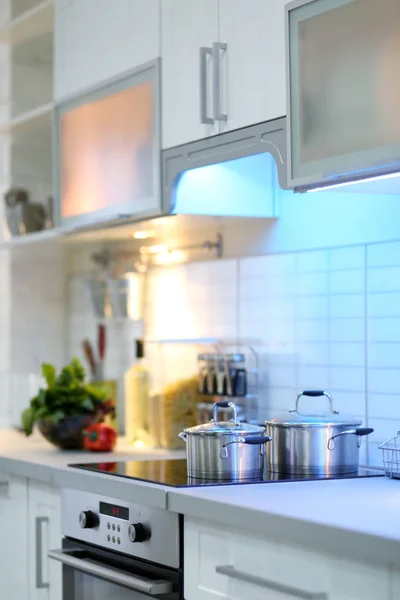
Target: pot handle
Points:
(225, 404)
(183, 436)
(314, 394)
(360, 431)
(255, 441)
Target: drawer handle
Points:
(269, 584)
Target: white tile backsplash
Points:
(347, 258)
(347, 282)
(383, 279)
(322, 319)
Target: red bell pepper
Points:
(99, 438)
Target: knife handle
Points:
(102, 342)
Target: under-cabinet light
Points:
(143, 235)
(170, 257)
(355, 182)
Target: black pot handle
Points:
(313, 393)
(363, 431)
(223, 404)
(262, 439)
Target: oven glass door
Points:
(94, 574)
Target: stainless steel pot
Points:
(324, 443)
(225, 449)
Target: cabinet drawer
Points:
(259, 568)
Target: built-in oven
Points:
(119, 551)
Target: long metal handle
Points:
(204, 118)
(217, 48)
(269, 584)
(140, 584)
(40, 584)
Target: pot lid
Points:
(295, 418)
(215, 427)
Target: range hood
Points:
(232, 174)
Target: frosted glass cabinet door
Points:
(344, 110)
(108, 145)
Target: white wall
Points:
(324, 303)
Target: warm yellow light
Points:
(143, 235)
(167, 258)
(139, 444)
(156, 249)
(135, 296)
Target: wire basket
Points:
(391, 456)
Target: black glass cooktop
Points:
(172, 473)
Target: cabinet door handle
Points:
(217, 47)
(269, 584)
(204, 118)
(40, 584)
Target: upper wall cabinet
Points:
(223, 66)
(99, 39)
(344, 110)
(108, 151)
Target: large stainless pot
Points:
(225, 449)
(325, 443)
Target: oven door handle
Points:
(140, 584)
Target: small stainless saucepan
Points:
(324, 443)
(225, 449)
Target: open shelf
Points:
(30, 24)
(31, 238)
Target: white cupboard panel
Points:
(13, 537)
(96, 40)
(44, 534)
(186, 27)
(265, 569)
(253, 67)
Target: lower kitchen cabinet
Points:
(44, 533)
(233, 565)
(13, 537)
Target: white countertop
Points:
(355, 516)
(36, 458)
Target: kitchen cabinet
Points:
(95, 41)
(344, 117)
(223, 66)
(108, 151)
(13, 538)
(44, 533)
(234, 564)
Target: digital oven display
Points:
(113, 510)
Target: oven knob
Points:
(137, 533)
(88, 519)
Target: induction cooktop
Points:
(173, 473)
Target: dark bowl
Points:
(67, 433)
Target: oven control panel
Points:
(138, 530)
